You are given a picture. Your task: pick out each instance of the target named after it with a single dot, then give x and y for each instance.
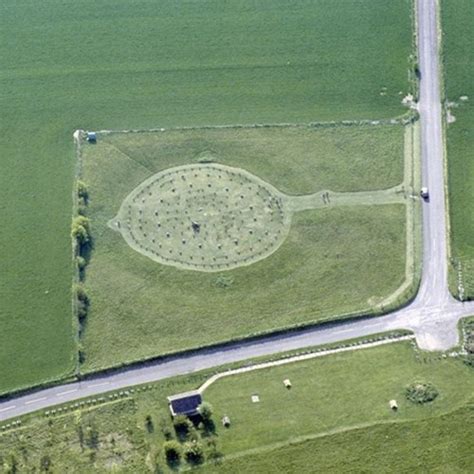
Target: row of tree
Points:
(82, 243)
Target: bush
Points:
(82, 191)
(81, 262)
(81, 207)
(469, 346)
(469, 360)
(224, 281)
(81, 294)
(214, 455)
(92, 438)
(45, 463)
(165, 428)
(205, 410)
(82, 303)
(182, 426)
(167, 433)
(149, 424)
(80, 230)
(194, 453)
(469, 337)
(172, 451)
(421, 392)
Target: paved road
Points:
(433, 315)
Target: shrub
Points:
(80, 230)
(421, 392)
(149, 424)
(45, 463)
(81, 207)
(81, 262)
(224, 281)
(82, 303)
(172, 451)
(81, 294)
(469, 359)
(214, 455)
(82, 191)
(417, 70)
(167, 433)
(205, 410)
(194, 453)
(469, 346)
(92, 438)
(182, 426)
(469, 337)
(165, 428)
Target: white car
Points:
(424, 193)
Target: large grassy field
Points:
(332, 420)
(459, 69)
(336, 259)
(121, 64)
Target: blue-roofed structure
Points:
(186, 403)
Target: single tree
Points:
(205, 410)
(149, 424)
(82, 191)
(172, 451)
(193, 452)
(80, 230)
(182, 426)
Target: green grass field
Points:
(436, 445)
(121, 64)
(459, 68)
(332, 420)
(335, 260)
(317, 401)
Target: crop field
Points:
(459, 69)
(331, 420)
(121, 64)
(202, 236)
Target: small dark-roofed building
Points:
(186, 403)
(91, 137)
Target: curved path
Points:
(433, 315)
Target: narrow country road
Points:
(433, 315)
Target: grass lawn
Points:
(459, 68)
(439, 445)
(334, 261)
(121, 64)
(284, 415)
(334, 418)
(297, 161)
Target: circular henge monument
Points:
(205, 217)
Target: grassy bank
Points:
(459, 68)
